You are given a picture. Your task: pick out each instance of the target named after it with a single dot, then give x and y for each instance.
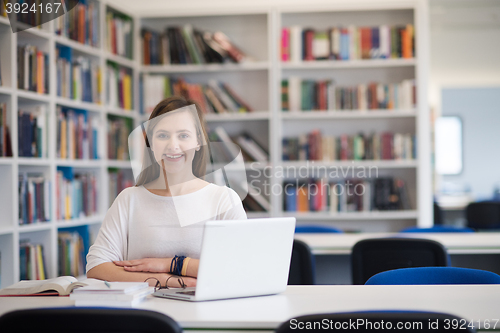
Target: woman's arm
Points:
(108, 271)
(157, 265)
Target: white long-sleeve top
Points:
(141, 224)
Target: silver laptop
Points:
(241, 258)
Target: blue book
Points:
(290, 192)
(375, 51)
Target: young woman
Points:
(163, 215)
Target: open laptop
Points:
(241, 258)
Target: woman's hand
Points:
(153, 265)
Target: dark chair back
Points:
(483, 215)
(376, 322)
(90, 320)
(372, 256)
(302, 267)
(434, 275)
(313, 229)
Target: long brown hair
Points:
(201, 157)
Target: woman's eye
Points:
(161, 136)
(184, 136)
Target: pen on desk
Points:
(107, 284)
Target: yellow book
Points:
(127, 92)
(68, 207)
(63, 139)
(41, 268)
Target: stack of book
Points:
(214, 97)
(80, 23)
(119, 30)
(78, 78)
(186, 45)
(76, 194)
(119, 129)
(378, 146)
(32, 69)
(77, 134)
(349, 195)
(113, 294)
(306, 95)
(31, 131)
(5, 139)
(71, 253)
(347, 43)
(119, 84)
(31, 261)
(34, 199)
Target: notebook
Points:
(241, 258)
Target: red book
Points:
(309, 37)
(387, 143)
(285, 44)
(366, 42)
(344, 147)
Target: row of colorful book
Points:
(315, 146)
(71, 254)
(32, 69)
(187, 45)
(34, 198)
(81, 23)
(119, 129)
(76, 194)
(78, 78)
(298, 94)
(118, 181)
(119, 33)
(346, 195)
(213, 97)
(119, 87)
(32, 131)
(77, 134)
(347, 43)
(5, 137)
(31, 261)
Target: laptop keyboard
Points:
(191, 293)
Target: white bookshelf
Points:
(257, 33)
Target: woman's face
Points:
(175, 142)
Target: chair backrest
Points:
(438, 228)
(309, 229)
(434, 275)
(372, 256)
(302, 265)
(483, 215)
(89, 320)
(376, 322)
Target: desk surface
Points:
(456, 243)
(472, 302)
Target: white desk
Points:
(479, 250)
(471, 302)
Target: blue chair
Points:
(434, 275)
(375, 322)
(91, 320)
(302, 265)
(375, 255)
(311, 229)
(438, 228)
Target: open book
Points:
(61, 286)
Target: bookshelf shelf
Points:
(383, 164)
(33, 30)
(348, 114)
(121, 112)
(350, 64)
(82, 48)
(350, 216)
(258, 215)
(6, 160)
(79, 163)
(122, 61)
(254, 115)
(38, 226)
(78, 104)
(6, 231)
(79, 222)
(5, 90)
(228, 67)
(4, 21)
(33, 95)
(33, 161)
(118, 164)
